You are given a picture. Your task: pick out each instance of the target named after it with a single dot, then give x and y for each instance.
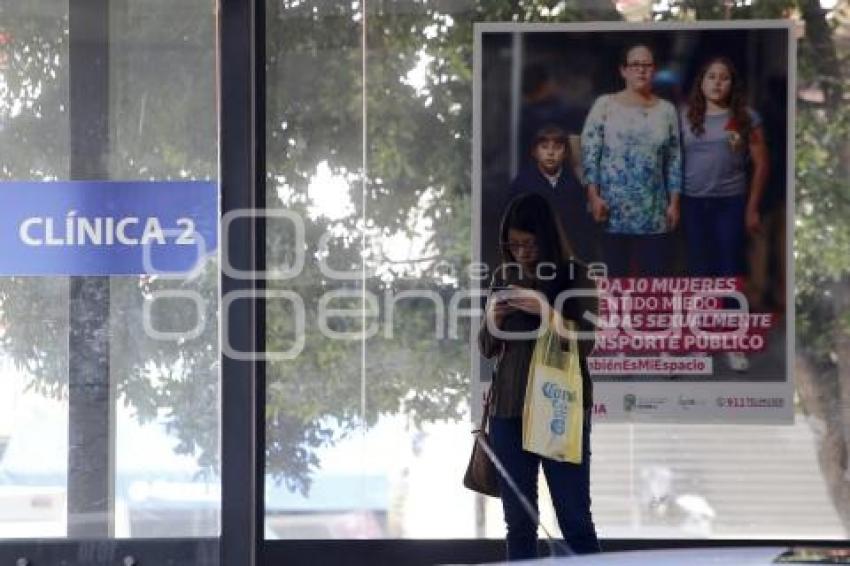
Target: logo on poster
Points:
(559, 397)
(632, 403)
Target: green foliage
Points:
(419, 142)
(721, 10)
(823, 199)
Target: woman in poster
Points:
(535, 257)
(722, 140)
(632, 167)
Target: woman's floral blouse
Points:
(633, 155)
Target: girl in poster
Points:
(721, 137)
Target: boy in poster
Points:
(550, 174)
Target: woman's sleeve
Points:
(592, 141)
(488, 344)
(673, 154)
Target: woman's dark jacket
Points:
(511, 376)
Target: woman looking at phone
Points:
(536, 267)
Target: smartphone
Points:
(502, 298)
(497, 288)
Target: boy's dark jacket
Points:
(569, 201)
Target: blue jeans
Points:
(714, 229)
(569, 486)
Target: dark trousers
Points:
(569, 487)
(638, 255)
(716, 236)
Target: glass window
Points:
(163, 112)
(123, 443)
(34, 134)
(368, 436)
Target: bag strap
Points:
(485, 414)
(572, 330)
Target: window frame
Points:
(241, 114)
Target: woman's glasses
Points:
(514, 247)
(635, 66)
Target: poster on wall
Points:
(665, 152)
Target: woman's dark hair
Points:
(737, 100)
(624, 52)
(532, 213)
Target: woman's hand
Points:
(527, 300)
(598, 207)
(497, 308)
(673, 211)
(673, 215)
(753, 220)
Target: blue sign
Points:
(107, 227)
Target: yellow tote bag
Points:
(552, 418)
